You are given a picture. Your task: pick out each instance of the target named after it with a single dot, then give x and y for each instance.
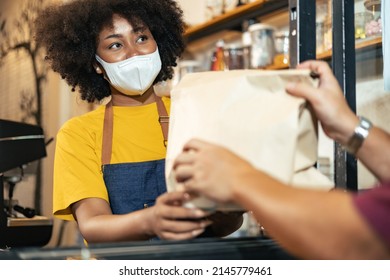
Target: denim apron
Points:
(132, 186)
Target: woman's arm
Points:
(167, 220)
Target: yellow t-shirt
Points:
(137, 137)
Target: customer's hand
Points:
(210, 170)
(170, 220)
(328, 102)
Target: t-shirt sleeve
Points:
(77, 169)
(374, 206)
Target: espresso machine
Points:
(20, 144)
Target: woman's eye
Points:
(142, 39)
(115, 46)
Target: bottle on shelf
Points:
(218, 60)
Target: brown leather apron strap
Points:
(163, 118)
(109, 122)
(107, 134)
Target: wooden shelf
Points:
(237, 12)
(234, 18)
(259, 8)
(360, 46)
(277, 66)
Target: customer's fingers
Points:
(303, 90)
(183, 173)
(195, 145)
(321, 68)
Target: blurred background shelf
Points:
(233, 19)
(231, 22)
(370, 47)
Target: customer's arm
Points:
(339, 122)
(309, 224)
(375, 153)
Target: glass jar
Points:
(282, 47)
(328, 35)
(322, 15)
(373, 7)
(320, 33)
(187, 66)
(236, 56)
(361, 19)
(263, 45)
(373, 26)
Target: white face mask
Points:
(134, 75)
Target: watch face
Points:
(365, 123)
(360, 134)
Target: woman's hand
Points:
(328, 102)
(170, 220)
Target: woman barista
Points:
(109, 163)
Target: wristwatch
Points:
(359, 135)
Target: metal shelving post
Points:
(303, 47)
(302, 31)
(344, 68)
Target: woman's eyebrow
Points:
(113, 36)
(119, 35)
(139, 28)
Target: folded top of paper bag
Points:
(250, 113)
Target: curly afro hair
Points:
(69, 33)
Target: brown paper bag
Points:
(248, 112)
